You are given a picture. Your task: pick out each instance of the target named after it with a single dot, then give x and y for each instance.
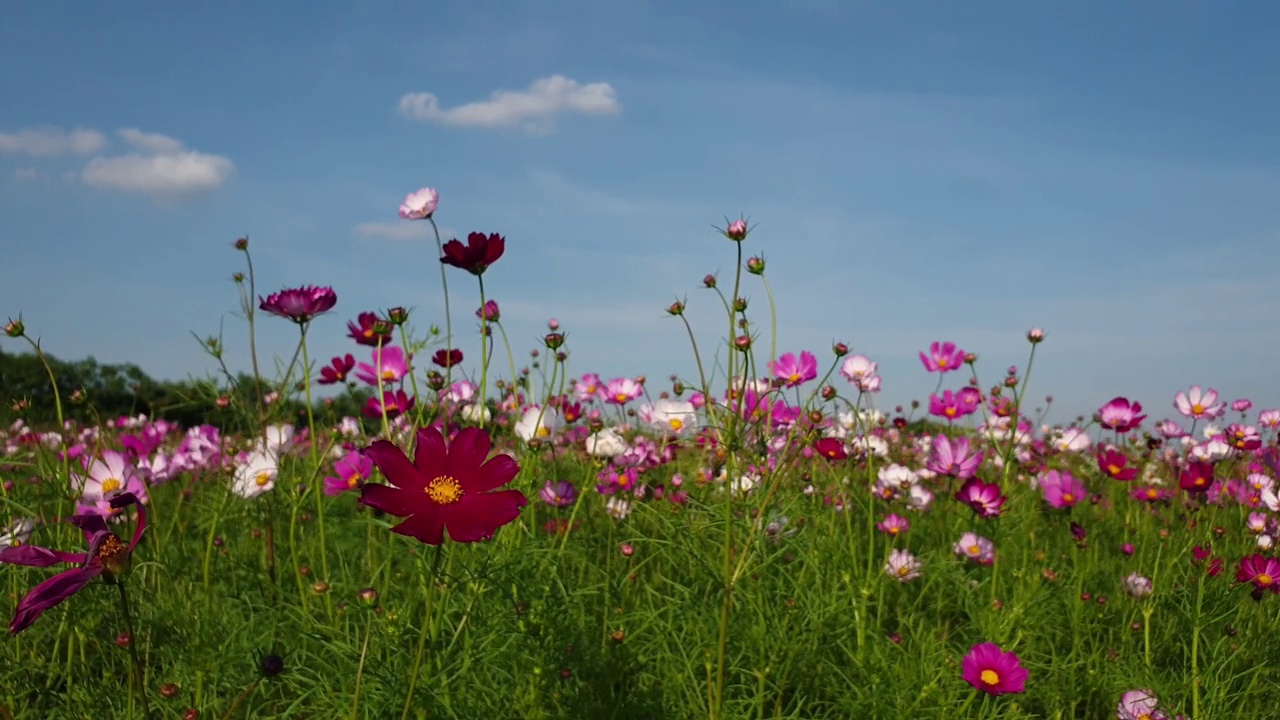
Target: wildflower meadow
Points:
(489, 531)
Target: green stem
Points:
(429, 605)
(139, 673)
(448, 317)
(484, 356)
(315, 463)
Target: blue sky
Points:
(918, 172)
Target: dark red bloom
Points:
(299, 304)
(443, 488)
(478, 254)
(1197, 477)
(108, 555)
(337, 369)
(447, 358)
(369, 329)
(395, 403)
(830, 448)
(1115, 465)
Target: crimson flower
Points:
(447, 358)
(443, 488)
(477, 255)
(1197, 477)
(337, 369)
(299, 304)
(830, 448)
(107, 556)
(1115, 465)
(369, 329)
(983, 497)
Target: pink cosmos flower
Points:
(992, 670)
(350, 472)
(1139, 705)
(620, 391)
(420, 204)
(369, 329)
(490, 312)
(984, 498)
(1061, 489)
(1262, 571)
(952, 406)
(1197, 477)
(830, 448)
(1242, 437)
(560, 493)
(1198, 404)
(1170, 430)
(795, 371)
(299, 304)
(106, 476)
(1115, 465)
(976, 548)
(108, 555)
(1242, 405)
(893, 525)
(902, 566)
(395, 403)
(393, 364)
(943, 358)
(953, 457)
(1121, 415)
(861, 372)
(589, 388)
(1269, 418)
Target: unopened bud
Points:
(15, 328)
(742, 342)
(737, 230)
(242, 244)
(755, 265)
(676, 308)
(396, 316)
(1035, 335)
(709, 281)
(840, 349)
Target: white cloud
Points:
(150, 142)
(51, 140)
(26, 174)
(404, 230)
(163, 167)
(543, 100)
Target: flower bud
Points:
(553, 340)
(676, 308)
(742, 342)
(15, 328)
(242, 244)
(737, 230)
(709, 281)
(840, 349)
(395, 316)
(740, 304)
(1035, 335)
(755, 265)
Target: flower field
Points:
(759, 540)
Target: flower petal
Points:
(49, 593)
(430, 456)
(388, 499)
(395, 466)
(467, 452)
(498, 471)
(477, 517)
(427, 526)
(34, 556)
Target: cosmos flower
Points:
(795, 371)
(349, 473)
(452, 488)
(390, 360)
(1061, 489)
(984, 498)
(902, 566)
(299, 304)
(477, 255)
(1198, 404)
(1121, 415)
(943, 357)
(953, 456)
(420, 204)
(337, 369)
(1263, 572)
(369, 329)
(992, 670)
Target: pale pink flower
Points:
(1198, 404)
(419, 205)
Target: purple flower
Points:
(299, 304)
(107, 555)
(1061, 489)
(349, 473)
(984, 498)
(559, 494)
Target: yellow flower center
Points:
(949, 412)
(263, 479)
(353, 480)
(111, 485)
(903, 570)
(794, 378)
(543, 431)
(621, 398)
(1113, 469)
(1152, 493)
(975, 550)
(1068, 497)
(444, 490)
(1264, 579)
(990, 677)
(388, 374)
(676, 424)
(942, 362)
(893, 529)
(1197, 409)
(368, 332)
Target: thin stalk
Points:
(138, 673)
(448, 317)
(428, 608)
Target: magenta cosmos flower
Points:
(1061, 489)
(390, 360)
(299, 304)
(477, 255)
(943, 357)
(453, 488)
(1262, 571)
(369, 329)
(420, 204)
(107, 556)
(993, 671)
(349, 473)
(983, 497)
(1121, 415)
(795, 371)
(953, 457)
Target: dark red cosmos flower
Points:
(1197, 477)
(447, 358)
(394, 403)
(1115, 465)
(337, 369)
(369, 329)
(299, 304)
(830, 448)
(445, 488)
(108, 556)
(479, 253)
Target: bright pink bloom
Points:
(1121, 415)
(1170, 430)
(108, 555)
(953, 457)
(1269, 418)
(1241, 405)
(952, 406)
(1263, 572)
(1198, 404)
(992, 670)
(350, 472)
(395, 403)
(984, 498)
(1242, 437)
(894, 525)
(299, 304)
(795, 371)
(589, 388)
(830, 448)
(453, 488)
(620, 391)
(1061, 489)
(943, 357)
(420, 204)
(369, 329)
(489, 312)
(390, 360)
(1151, 494)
